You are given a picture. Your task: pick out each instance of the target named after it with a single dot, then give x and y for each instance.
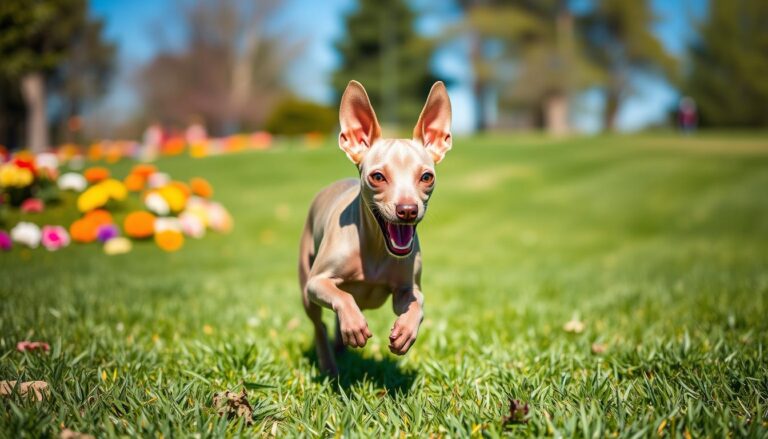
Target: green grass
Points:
(658, 244)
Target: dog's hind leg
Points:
(325, 357)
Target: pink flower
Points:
(24, 346)
(5, 241)
(55, 237)
(32, 205)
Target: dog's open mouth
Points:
(399, 237)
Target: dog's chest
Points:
(373, 283)
(367, 295)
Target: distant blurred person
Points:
(197, 138)
(153, 139)
(196, 132)
(687, 114)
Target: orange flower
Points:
(96, 174)
(139, 224)
(173, 146)
(113, 153)
(83, 230)
(134, 182)
(95, 152)
(201, 187)
(169, 240)
(99, 217)
(144, 170)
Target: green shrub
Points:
(294, 117)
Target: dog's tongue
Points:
(401, 235)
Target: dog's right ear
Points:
(359, 127)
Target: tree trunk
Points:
(479, 85)
(556, 114)
(611, 111)
(33, 92)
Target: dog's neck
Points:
(371, 237)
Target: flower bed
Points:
(171, 210)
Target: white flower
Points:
(157, 204)
(191, 224)
(169, 223)
(26, 233)
(117, 246)
(219, 218)
(47, 160)
(72, 181)
(158, 179)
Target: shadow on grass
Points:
(354, 369)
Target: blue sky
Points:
(133, 25)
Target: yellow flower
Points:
(115, 189)
(93, 198)
(174, 196)
(14, 176)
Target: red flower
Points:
(24, 162)
(32, 205)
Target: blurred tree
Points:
(728, 75)
(82, 77)
(229, 69)
(527, 52)
(36, 37)
(488, 25)
(382, 50)
(619, 38)
(294, 116)
(12, 112)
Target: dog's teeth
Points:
(397, 247)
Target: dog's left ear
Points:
(433, 129)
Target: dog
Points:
(359, 244)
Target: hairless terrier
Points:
(359, 244)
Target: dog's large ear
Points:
(359, 127)
(433, 129)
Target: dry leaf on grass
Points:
(518, 412)
(575, 326)
(233, 405)
(28, 346)
(599, 348)
(40, 388)
(71, 434)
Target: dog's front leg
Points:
(408, 305)
(354, 327)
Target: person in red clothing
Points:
(687, 114)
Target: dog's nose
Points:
(407, 212)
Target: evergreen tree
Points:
(728, 76)
(382, 50)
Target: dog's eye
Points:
(427, 177)
(377, 177)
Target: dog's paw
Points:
(403, 334)
(354, 329)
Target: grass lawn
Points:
(658, 244)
